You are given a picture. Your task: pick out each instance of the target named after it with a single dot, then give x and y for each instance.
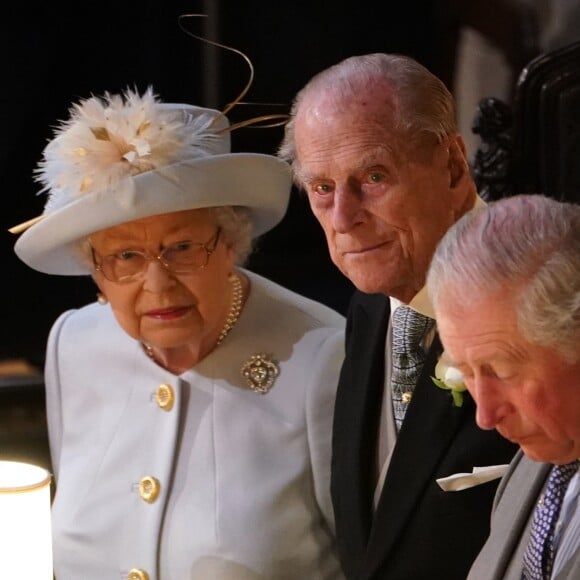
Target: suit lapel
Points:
(357, 414)
(517, 497)
(405, 483)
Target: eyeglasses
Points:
(179, 258)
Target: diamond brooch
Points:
(260, 372)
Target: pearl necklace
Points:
(232, 318)
(235, 307)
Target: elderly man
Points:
(373, 141)
(517, 343)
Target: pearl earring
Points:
(102, 299)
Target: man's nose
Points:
(491, 405)
(347, 207)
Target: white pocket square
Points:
(459, 481)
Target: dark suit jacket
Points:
(418, 532)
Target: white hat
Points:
(122, 158)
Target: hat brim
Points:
(262, 183)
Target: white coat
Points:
(219, 483)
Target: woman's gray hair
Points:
(237, 231)
(527, 245)
(420, 101)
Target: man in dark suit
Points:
(517, 343)
(373, 142)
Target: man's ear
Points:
(458, 166)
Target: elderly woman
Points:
(190, 407)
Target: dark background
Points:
(60, 52)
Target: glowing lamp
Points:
(25, 530)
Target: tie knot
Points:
(409, 328)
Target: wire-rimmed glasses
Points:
(182, 257)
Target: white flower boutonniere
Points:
(450, 379)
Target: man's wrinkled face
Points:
(383, 205)
(528, 392)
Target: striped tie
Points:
(539, 554)
(409, 328)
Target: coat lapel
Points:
(517, 496)
(357, 414)
(405, 483)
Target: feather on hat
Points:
(124, 157)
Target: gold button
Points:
(149, 489)
(137, 574)
(165, 397)
(406, 398)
